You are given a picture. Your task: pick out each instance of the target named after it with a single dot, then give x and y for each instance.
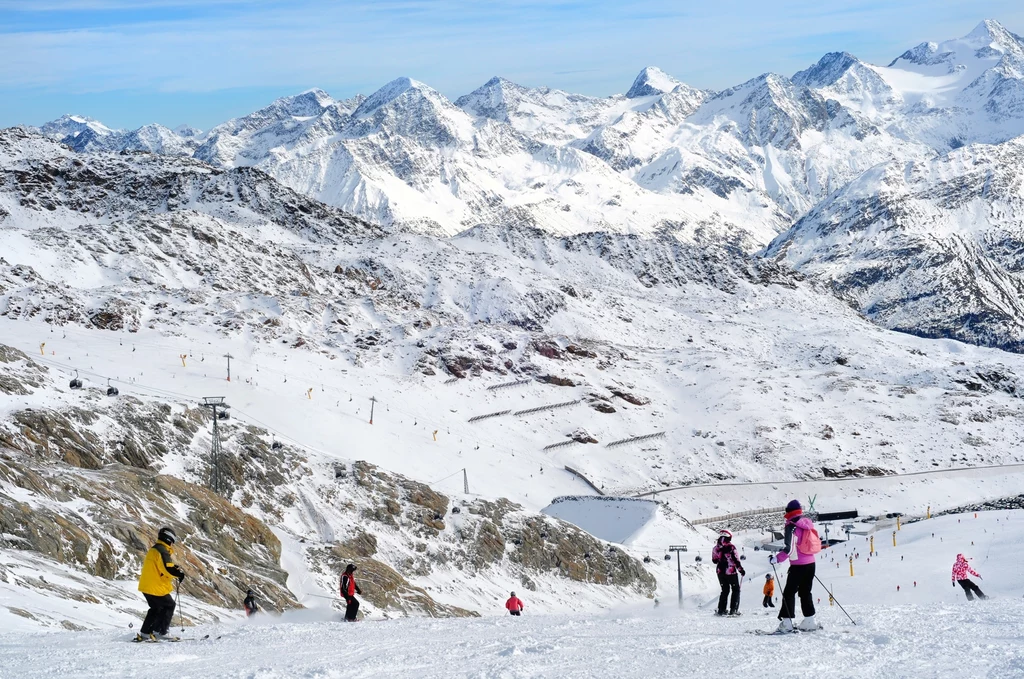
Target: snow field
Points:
(927, 631)
(926, 641)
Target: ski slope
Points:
(923, 631)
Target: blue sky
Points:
(129, 62)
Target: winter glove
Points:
(742, 572)
(781, 557)
(181, 578)
(771, 559)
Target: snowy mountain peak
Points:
(389, 93)
(305, 104)
(652, 80)
(71, 125)
(988, 42)
(187, 131)
(991, 33)
(829, 69)
(494, 99)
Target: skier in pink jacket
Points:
(801, 569)
(729, 570)
(960, 570)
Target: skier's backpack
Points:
(809, 543)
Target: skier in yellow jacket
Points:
(156, 582)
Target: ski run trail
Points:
(925, 629)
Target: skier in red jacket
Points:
(514, 605)
(349, 589)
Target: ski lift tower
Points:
(217, 483)
(679, 569)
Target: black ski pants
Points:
(514, 613)
(729, 583)
(798, 581)
(161, 611)
(970, 587)
(351, 608)
(768, 603)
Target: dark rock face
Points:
(385, 589)
(127, 507)
(490, 532)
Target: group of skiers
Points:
(801, 544)
(800, 547)
(160, 576)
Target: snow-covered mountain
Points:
(932, 248)
(749, 160)
(944, 94)
(86, 135)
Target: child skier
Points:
(514, 605)
(724, 554)
(802, 538)
(156, 582)
(250, 604)
(769, 591)
(349, 589)
(960, 570)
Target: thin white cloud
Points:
(27, 6)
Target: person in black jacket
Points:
(349, 589)
(250, 603)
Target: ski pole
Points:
(834, 599)
(778, 581)
(177, 598)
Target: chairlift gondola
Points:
(668, 557)
(75, 382)
(276, 445)
(111, 390)
(698, 558)
(223, 415)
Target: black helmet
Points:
(166, 535)
(248, 592)
(350, 568)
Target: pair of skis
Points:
(779, 633)
(171, 639)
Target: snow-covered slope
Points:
(922, 630)
(931, 248)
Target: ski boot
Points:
(808, 624)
